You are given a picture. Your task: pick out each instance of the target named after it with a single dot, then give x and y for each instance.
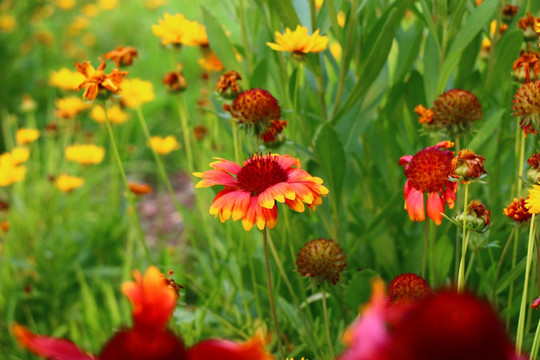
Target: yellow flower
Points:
(90, 10)
(85, 154)
(115, 113)
(335, 50)
(66, 79)
(210, 62)
(26, 136)
(65, 4)
(318, 5)
(136, 92)
(68, 183)
(77, 25)
(177, 30)
(302, 356)
(154, 4)
(9, 171)
(107, 4)
(299, 42)
(68, 108)
(533, 201)
(20, 155)
(7, 23)
(163, 145)
(341, 18)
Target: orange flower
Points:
(252, 189)
(122, 55)
(4, 226)
(427, 172)
(174, 80)
(527, 105)
(517, 211)
(527, 24)
(139, 189)
(426, 115)
(468, 165)
(525, 66)
(227, 85)
(97, 82)
(210, 62)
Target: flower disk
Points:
(321, 260)
(260, 173)
(255, 108)
(455, 110)
(429, 169)
(407, 288)
(527, 105)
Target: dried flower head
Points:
(527, 25)
(527, 105)
(408, 288)
(227, 85)
(273, 136)
(517, 211)
(477, 217)
(533, 174)
(467, 166)
(200, 131)
(174, 80)
(321, 260)
(427, 172)
(97, 82)
(122, 55)
(454, 111)
(526, 67)
(509, 12)
(254, 109)
(299, 42)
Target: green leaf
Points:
(331, 157)
(511, 276)
(219, 41)
(486, 131)
(444, 254)
(450, 64)
(507, 51)
(286, 12)
(431, 70)
(259, 76)
(359, 288)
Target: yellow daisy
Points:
(164, 145)
(136, 92)
(299, 42)
(68, 108)
(85, 154)
(115, 113)
(66, 79)
(26, 136)
(533, 201)
(68, 183)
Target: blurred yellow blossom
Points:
(9, 171)
(27, 104)
(210, 62)
(90, 10)
(65, 4)
(341, 18)
(68, 108)
(164, 145)
(335, 50)
(68, 183)
(154, 4)
(115, 113)
(299, 42)
(107, 4)
(66, 79)
(20, 155)
(7, 23)
(85, 154)
(136, 92)
(177, 30)
(89, 39)
(78, 24)
(318, 4)
(26, 136)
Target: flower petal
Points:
(215, 177)
(414, 204)
(435, 206)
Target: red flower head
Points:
(251, 190)
(408, 288)
(273, 136)
(517, 211)
(527, 66)
(255, 109)
(427, 172)
(229, 350)
(527, 105)
(454, 111)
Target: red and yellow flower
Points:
(427, 172)
(252, 189)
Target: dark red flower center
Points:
(429, 169)
(259, 173)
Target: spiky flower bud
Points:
(321, 260)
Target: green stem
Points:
(424, 258)
(270, 292)
(521, 161)
(536, 342)
(499, 264)
(464, 240)
(185, 131)
(236, 142)
(242, 18)
(327, 323)
(132, 209)
(521, 322)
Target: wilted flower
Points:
(526, 67)
(407, 288)
(200, 132)
(85, 154)
(467, 166)
(174, 80)
(527, 25)
(453, 111)
(517, 211)
(273, 135)
(26, 136)
(509, 12)
(136, 92)
(227, 85)
(527, 105)
(428, 171)
(254, 109)
(122, 55)
(66, 79)
(252, 189)
(97, 82)
(321, 260)
(533, 174)
(299, 42)
(164, 145)
(153, 299)
(68, 108)
(139, 189)
(115, 114)
(68, 183)
(476, 217)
